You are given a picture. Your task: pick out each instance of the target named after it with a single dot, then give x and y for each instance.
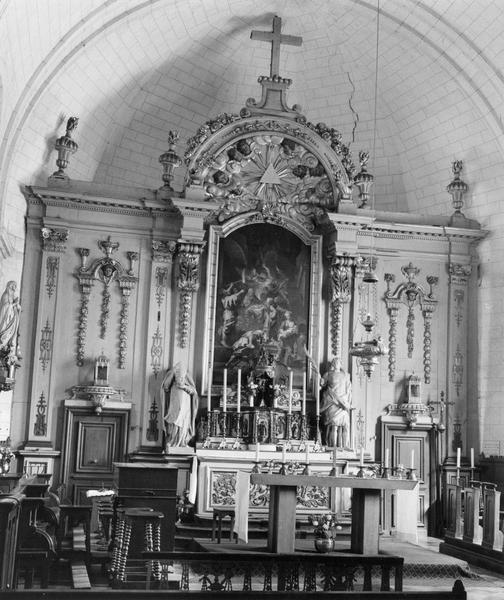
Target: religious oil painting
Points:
(262, 302)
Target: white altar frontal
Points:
(217, 472)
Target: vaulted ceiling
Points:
(417, 83)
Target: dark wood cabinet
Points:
(153, 486)
(93, 442)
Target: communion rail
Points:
(474, 528)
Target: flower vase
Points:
(324, 545)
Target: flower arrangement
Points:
(325, 526)
(6, 455)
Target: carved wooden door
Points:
(407, 445)
(93, 442)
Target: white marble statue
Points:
(335, 406)
(9, 319)
(181, 405)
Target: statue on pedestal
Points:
(335, 407)
(181, 406)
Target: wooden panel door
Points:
(92, 444)
(407, 444)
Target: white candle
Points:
(257, 452)
(317, 394)
(304, 393)
(386, 462)
(472, 458)
(362, 455)
(412, 459)
(458, 458)
(238, 392)
(209, 393)
(335, 456)
(291, 375)
(224, 391)
(307, 453)
(283, 454)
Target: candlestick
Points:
(304, 393)
(412, 463)
(238, 392)
(472, 458)
(291, 375)
(257, 452)
(224, 391)
(458, 458)
(386, 461)
(307, 454)
(362, 455)
(283, 454)
(317, 394)
(209, 392)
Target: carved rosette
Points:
(54, 239)
(341, 293)
(189, 255)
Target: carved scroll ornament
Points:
(341, 293)
(187, 282)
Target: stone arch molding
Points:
(282, 168)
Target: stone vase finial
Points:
(65, 146)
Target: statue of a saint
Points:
(181, 405)
(335, 407)
(9, 319)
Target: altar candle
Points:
(472, 458)
(209, 394)
(284, 460)
(334, 456)
(304, 393)
(458, 458)
(238, 392)
(386, 462)
(224, 391)
(317, 394)
(412, 459)
(307, 453)
(291, 375)
(362, 455)
(257, 452)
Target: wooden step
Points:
(80, 577)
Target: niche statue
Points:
(181, 406)
(335, 407)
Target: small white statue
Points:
(335, 407)
(181, 406)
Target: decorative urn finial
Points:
(170, 160)
(457, 188)
(65, 146)
(363, 180)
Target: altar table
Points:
(365, 507)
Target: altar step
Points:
(258, 530)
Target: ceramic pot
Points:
(324, 545)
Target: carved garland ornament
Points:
(187, 282)
(106, 270)
(410, 294)
(341, 293)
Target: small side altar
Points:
(366, 493)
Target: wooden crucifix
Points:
(276, 38)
